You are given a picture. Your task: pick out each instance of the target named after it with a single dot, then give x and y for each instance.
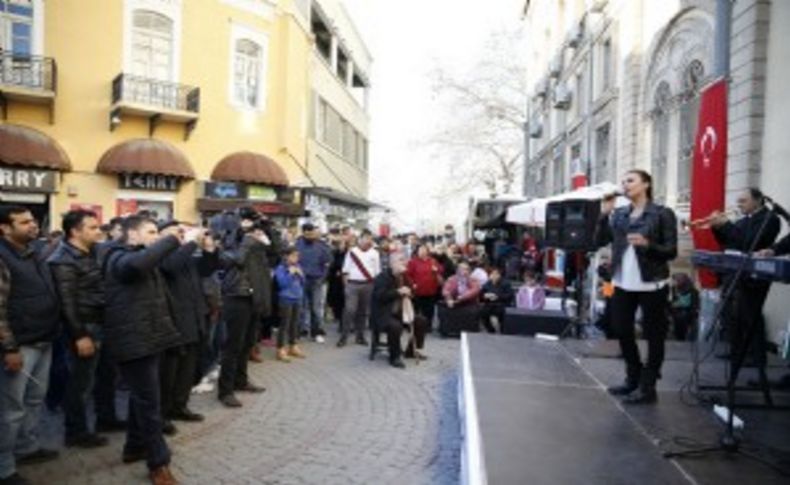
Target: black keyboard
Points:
(773, 269)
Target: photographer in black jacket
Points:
(80, 285)
(644, 240)
(183, 270)
(138, 328)
(247, 294)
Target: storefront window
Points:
(159, 210)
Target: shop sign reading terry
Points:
(166, 183)
(25, 180)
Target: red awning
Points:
(250, 167)
(21, 146)
(145, 155)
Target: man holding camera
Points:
(246, 291)
(182, 271)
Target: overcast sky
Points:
(407, 39)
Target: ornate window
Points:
(689, 116)
(247, 69)
(660, 140)
(152, 45)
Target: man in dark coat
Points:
(80, 284)
(29, 322)
(183, 270)
(745, 308)
(247, 292)
(386, 314)
(138, 328)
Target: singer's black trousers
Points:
(655, 306)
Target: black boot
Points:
(630, 384)
(646, 393)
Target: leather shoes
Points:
(362, 341)
(162, 476)
(341, 343)
(41, 455)
(133, 456)
(623, 389)
(169, 428)
(186, 414)
(230, 401)
(14, 479)
(641, 396)
(251, 388)
(398, 363)
(87, 440)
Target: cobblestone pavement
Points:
(335, 418)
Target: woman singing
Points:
(644, 240)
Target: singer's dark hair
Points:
(757, 195)
(646, 178)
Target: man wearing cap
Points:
(315, 256)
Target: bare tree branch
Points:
(484, 115)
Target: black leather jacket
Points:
(659, 226)
(138, 320)
(247, 274)
(80, 285)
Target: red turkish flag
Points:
(710, 168)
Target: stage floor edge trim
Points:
(473, 469)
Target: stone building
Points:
(616, 85)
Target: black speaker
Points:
(530, 322)
(580, 223)
(571, 224)
(554, 217)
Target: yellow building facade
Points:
(132, 104)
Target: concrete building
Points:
(338, 137)
(616, 85)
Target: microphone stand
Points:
(730, 443)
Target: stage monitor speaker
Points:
(554, 220)
(580, 223)
(530, 322)
(571, 224)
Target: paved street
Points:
(335, 418)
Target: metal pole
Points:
(721, 51)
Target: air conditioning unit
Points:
(598, 6)
(555, 66)
(535, 129)
(575, 36)
(562, 97)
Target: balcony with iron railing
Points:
(27, 79)
(156, 100)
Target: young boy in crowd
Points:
(290, 281)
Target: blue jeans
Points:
(313, 306)
(21, 398)
(144, 432)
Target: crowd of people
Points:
(162, 309)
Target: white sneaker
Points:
(320, 339)
(204, 387)
(213, 375)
